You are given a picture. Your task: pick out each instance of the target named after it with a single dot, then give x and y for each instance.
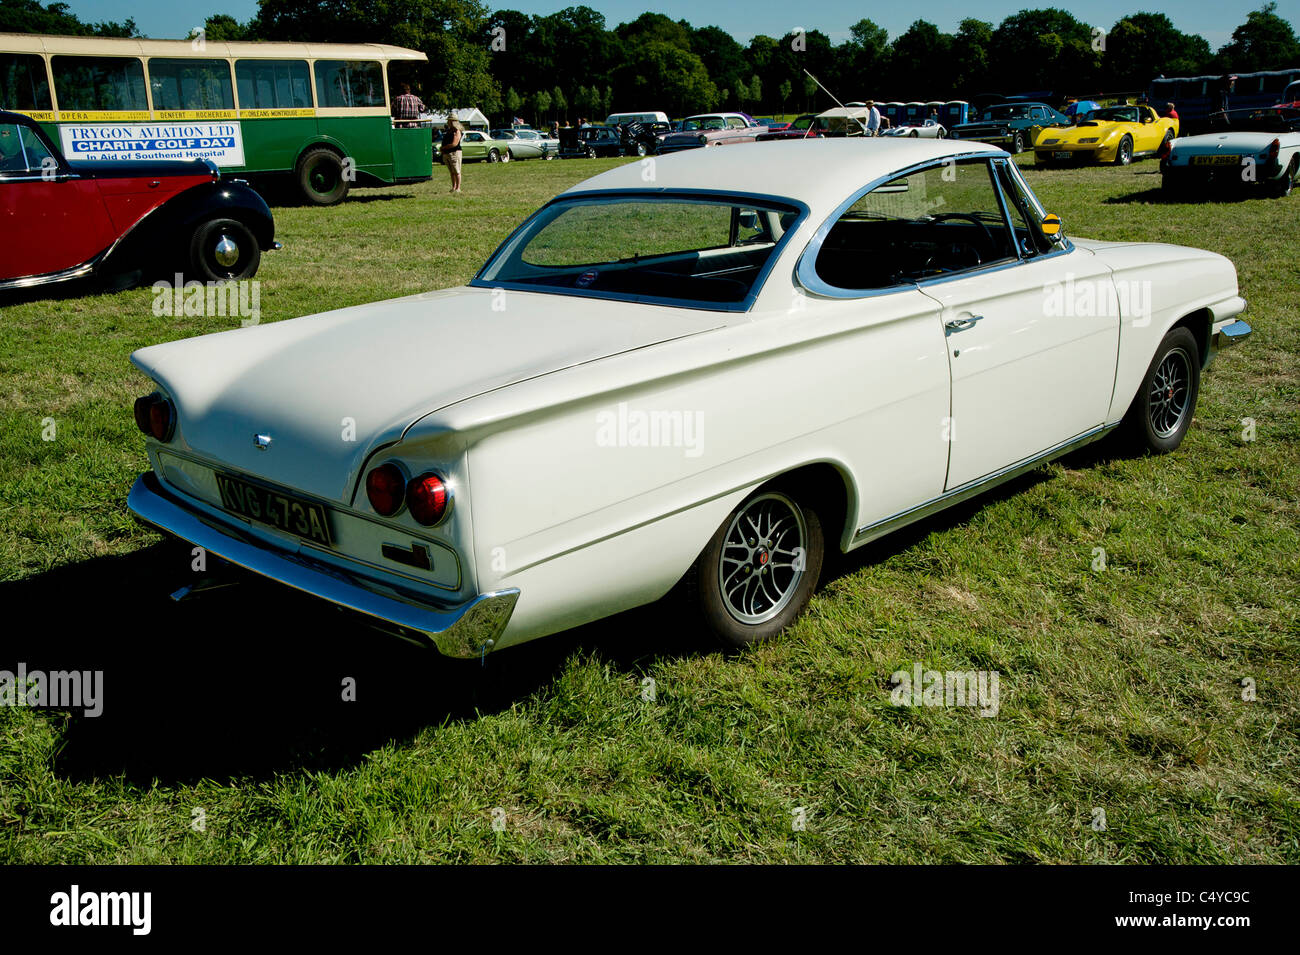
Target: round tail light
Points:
(155, 416)
(428, 497)
(385, 486)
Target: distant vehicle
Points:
(478, 146)
(1196, 97)
(807, 126)
(522, 143)
(1292, 95)
(712, 129)
(1265, 140)
(1112, 134)
(94, 219)
(621, 119)
(1013, 125)
(319, 113)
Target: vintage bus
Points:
(319, 112)
(1196, 97)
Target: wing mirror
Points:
(1051, 226)
(749, 219)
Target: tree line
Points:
(570, 63)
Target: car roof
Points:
(781, 169)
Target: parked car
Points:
(1112, 134)
(1250, 148)
(71, 220)
(649, 118)
(477, 145)
(590, 142)
(712, 129)
(807, 126)
(1014, 125)
(521, 143)
(702, 383)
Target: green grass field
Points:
(225, 737)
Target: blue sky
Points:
(1214, 20)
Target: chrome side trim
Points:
(463, 630)
(49, 278)
(966, 491)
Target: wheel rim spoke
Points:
(756, 570)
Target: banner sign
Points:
(222, 143)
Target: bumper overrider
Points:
(463, 630)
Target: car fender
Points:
(180, 215)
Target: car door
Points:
(473, 146)
(60, 217)
(1032, 329)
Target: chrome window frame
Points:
(806, 270)
(698, 195)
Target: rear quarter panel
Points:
(567, 506)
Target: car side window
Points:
(21, 150)
(735, 122)
(944, 219)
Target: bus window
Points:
(99, 82)
(349, 83)
(190, 84)
(273, 84)
(23, 84)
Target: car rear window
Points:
(699, 251)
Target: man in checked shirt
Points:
(407, 108)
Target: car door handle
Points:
(961, 324)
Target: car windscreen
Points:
(1006, 112)
(707, 252)
(1115, 114)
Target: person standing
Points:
(1227, 87)
(451, 151)
(407, 108)
(873, 118)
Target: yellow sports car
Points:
(1112, 134)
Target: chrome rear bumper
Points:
(462, 630)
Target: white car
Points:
(923, 131)
(1249, 148)
(706, 380)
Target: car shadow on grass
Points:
(251, 680)
(1158, 196)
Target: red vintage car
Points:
(807, 126)
(105, 219)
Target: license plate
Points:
(267, 506)
(1062, 154)
(1216, 160)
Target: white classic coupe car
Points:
(1246, 148)
(702, 380)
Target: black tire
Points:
(320, 177)
(591, 153)
(1281, 188)
(210, 254)
(1124, 152)
(1162, 410)
(773, 608)
(493, 156)
(1017, 143)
